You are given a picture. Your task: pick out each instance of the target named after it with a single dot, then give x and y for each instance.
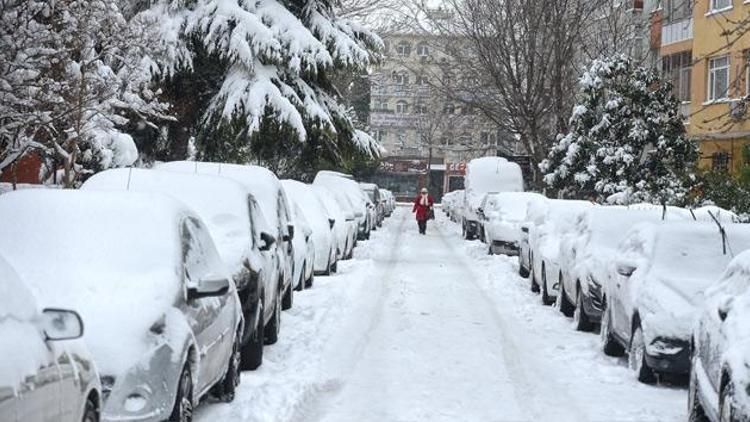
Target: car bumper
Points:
(501, 247)
(674, 360)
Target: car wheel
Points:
(563, 304)
(532, 281)
(695, 408)
(301, 283)
(288, 300)
(637, 358)
(727, 409)
(610, 346)
(90, 411)
(271, 331)
(335, 266)
(183, 406)
(579, 315)
(309, 282)
(226, 389)
(252, 351)
(523, 272)
(546, 299)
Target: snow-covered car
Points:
(389, 202)
(266, 189)
(453, 203)
(304, 248)
(484, 175)
(162, 317)
(345, 224)
(46, 373)
(322, 223)
(586, 253)
(373, 193)
(500, 214)
(720, 371)
(659, 277)
(239, 231)
(547, 221)
(348, 191)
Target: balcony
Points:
(677, 31)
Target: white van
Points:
(485, 175)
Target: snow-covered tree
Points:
(72, 74)
(626, 137)
(268, 59)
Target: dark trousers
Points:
(422, 226)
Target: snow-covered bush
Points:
(72, 74)
(626, 135)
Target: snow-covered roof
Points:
(221, 203)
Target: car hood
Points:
(505, 230)
(668, 307)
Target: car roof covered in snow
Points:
(512, 204)
(115, 257)
(493, 174)
(606, 225)
(262, 182)
(221, 203)
(16, 300)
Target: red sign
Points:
(455, 168)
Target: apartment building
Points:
(412, 119)
(704, 48)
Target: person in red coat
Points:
(422, 205)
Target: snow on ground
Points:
(431, 328)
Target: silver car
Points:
(162, 315)
(46, 374)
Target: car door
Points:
(624, 289)
(205, 313)
(270, 258)
(285, 220)
(39, 393)
(71, 394)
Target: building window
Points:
(677, 10)
(420, 109)
(720, 161)
(449, 108)
(403, 49)
(421, 80)
(718, 78)
(402, 107)
(380, 135)
(720, 5)
(380, 106)
(423, 50)
(400, 78)
(677, 68)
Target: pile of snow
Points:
(115, 257)
(221, 203)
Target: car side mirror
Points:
(61, 324)
(266, 241)
(290, 230)
(331, 223)
(724, 308)
(625, 270)
(211, 287)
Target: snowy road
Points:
(430, 328)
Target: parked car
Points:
(322, 223)
(47, 374)
(345, 224)
(266, 189)
(389, 202)
(239, 231)
(348, 191)
(453, 203)
(547, 222)
(658, 281)
(304, 248)
(720, 349)
(484, 175)
(586, 252)
(161, 313)
(500, 214)
(373, 193)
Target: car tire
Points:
(335, 267)
(287, 300)
(609, 345)
(637, 358)
(727, 410)
(310, 281)
(562, 303)
(523, 272)
(580, 318)
(546, 299)
(252, 351)
(90, 410)
(696, 413)
(226, 389)
(271, 331)
(183, 405)
(534, 285)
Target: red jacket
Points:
(422, 210)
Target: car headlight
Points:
(666, 347)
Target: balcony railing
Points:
(677, 31)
